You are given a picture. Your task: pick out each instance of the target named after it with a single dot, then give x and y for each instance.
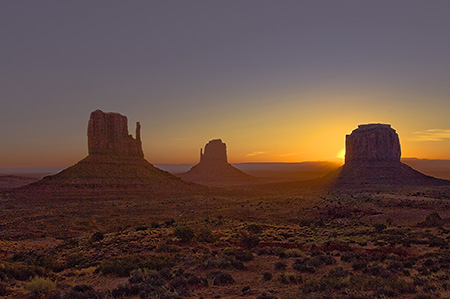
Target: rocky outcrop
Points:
(115, 166)
(108, 135)
(373, 158)
(372, 143)
(214, 169)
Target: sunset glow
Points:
(286, 94)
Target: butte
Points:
(372, 157)
(115, 165)
(214, 169)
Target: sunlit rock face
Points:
(108, 135)
(214, 168)
(372, 143)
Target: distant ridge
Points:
(115, 165)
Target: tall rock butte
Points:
(214, 168)
(372, 157)
(115, 166)
(108, 135)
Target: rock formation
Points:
(115, 166)
(108, 135)
(372, 143)
(373, 158)
(214, 168)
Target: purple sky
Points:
(261, 75)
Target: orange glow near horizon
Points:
(281, 129)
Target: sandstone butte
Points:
(372, 157)
(115, 165)
(214, 168)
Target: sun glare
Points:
(341, 154)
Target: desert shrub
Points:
(267, 276)
(437, 242)
(96, 237)
(280, 266)
(290, 278)
(184, 233)
(49, 262)
(249, 241)
(254, 228)
(75, 259)
(337, 272)
(169, 223)
(40, 287)
(239, 254)
(221, 278)
(79, 292)
(266, 296)
(348, 257)
(359, 264)
(154, 224)
(147, 276)
(379, 227)
(141, 228)
(310, 264)
(194, 280)
(396, 266)
(3, 289)
(294, 252)
(123, 265)
(19, 271)
(223, 262)
(205, 235)
(180, 286)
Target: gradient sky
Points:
(276, 80)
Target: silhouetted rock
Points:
(108, 135)
(215, 152)
(372, 143)
(214, 168)
(115, 165)
(373, 158)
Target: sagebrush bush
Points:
(40, 287)
(123, 265)
(184, 233)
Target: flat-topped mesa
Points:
(108, 135)
(372, 143)
(215, 152)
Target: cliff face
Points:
(108, 135)
(372, 143)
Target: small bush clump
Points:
(40, 287)
(184, 233)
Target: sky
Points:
(277, 81)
